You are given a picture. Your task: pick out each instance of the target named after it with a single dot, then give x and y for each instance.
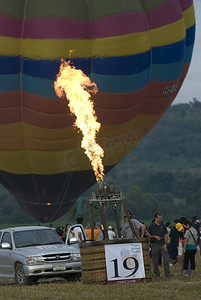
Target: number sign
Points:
(124, 262)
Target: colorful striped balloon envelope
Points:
(137, 52)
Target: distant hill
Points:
(163, 173)
(173, 144)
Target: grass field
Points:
(174, 287)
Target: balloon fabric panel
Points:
(137, 52)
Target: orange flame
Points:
(77, 88)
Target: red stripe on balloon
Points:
(185, 4)
(52, 28)
(10, 27)
(49, 105)
(51, 113)
(113, 25)
(165, 14)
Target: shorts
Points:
(180, 249)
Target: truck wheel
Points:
(20, 278)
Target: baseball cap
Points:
(179, 226)
(110, 227)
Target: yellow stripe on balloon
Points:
(16, 129)
(54, 162)
(15, 136)
(189, 17)
(112, 46)
(168, 34)
(9, 46)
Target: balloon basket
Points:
(94, 264)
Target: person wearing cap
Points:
(111, 233)
(179, 226)
(158, 237)
(174, 243)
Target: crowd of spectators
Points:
(169, 243)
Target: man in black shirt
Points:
(159, 236)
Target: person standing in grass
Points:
(190, 246)
(159, 236)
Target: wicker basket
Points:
(93, 259)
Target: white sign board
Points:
(124, 262)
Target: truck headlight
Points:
(76, 256)
(34, 260)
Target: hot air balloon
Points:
(137, 52)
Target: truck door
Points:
(6, 261)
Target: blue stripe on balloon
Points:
(122, 65)
(166, 72)
(50, 68)
(168, 54)
(105, 83)
(38, 86)
(188, 54)
(121, 83)
(9, 64)
(9, 83)
(190, 35)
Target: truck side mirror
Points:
(5, 246)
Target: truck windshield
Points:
(37, 237)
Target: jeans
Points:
(189, 255)
(157, 249)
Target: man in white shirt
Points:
(77, 230)
(111, 233)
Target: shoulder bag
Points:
(196, 242)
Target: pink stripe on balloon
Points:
(185, 4)
(62, 28)
(165, 14)
(52, 28)
(10, 27)
(114, 25)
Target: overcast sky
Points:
(191, 87)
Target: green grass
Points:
(175, 287)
